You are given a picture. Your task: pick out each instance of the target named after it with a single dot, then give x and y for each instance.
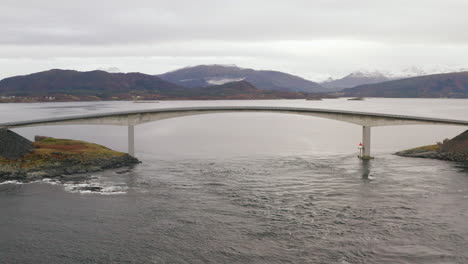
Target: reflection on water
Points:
(245, 188)
(463, 167)
(366, 165)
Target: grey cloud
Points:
(115, 22)
(307, 37)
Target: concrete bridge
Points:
(133, 118)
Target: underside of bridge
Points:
(133, 118)
(365, 154)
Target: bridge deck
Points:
(218, 109)
(132, 118)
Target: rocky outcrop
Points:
(455, 149)
(63, 168)
(458, 144)
(57, 158)
(12, 145)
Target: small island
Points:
(455, 149)
(54, 158)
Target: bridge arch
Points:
(133, 118)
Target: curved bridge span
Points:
(133, 118)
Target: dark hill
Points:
(207, 75)
(96, 83)
(231, 90)
(68, 85)
(452, 85)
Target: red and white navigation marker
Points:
(361, 147)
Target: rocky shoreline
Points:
(455, 149)
(428, 152)
(63, 168)
(59, 158)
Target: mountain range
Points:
(355, 79)
(96, 83)
(370, 77)
(450, 85)
(70, 85)
(207, 75)
(219, 82)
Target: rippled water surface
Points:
(245, 188)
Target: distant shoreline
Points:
(213, 99)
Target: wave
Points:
(88, 187)
(11, 182)
(94, 188)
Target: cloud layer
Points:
(310, 38)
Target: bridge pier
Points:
(131, 140)
(366, 142)
(136, 117)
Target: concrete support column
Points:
(131, 140)
(366, 140)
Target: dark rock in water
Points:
(123, 171)
(12, 145)
(89, 188)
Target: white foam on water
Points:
(50, 181)
(11, 182)
(46, 180)
(104, 188)
(112, 190)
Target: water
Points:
(245, 188)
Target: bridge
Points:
(133, 118)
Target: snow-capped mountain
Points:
(415, 71)
(355, 79)
(441, 85)
(370, 77)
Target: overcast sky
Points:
(311, 38)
